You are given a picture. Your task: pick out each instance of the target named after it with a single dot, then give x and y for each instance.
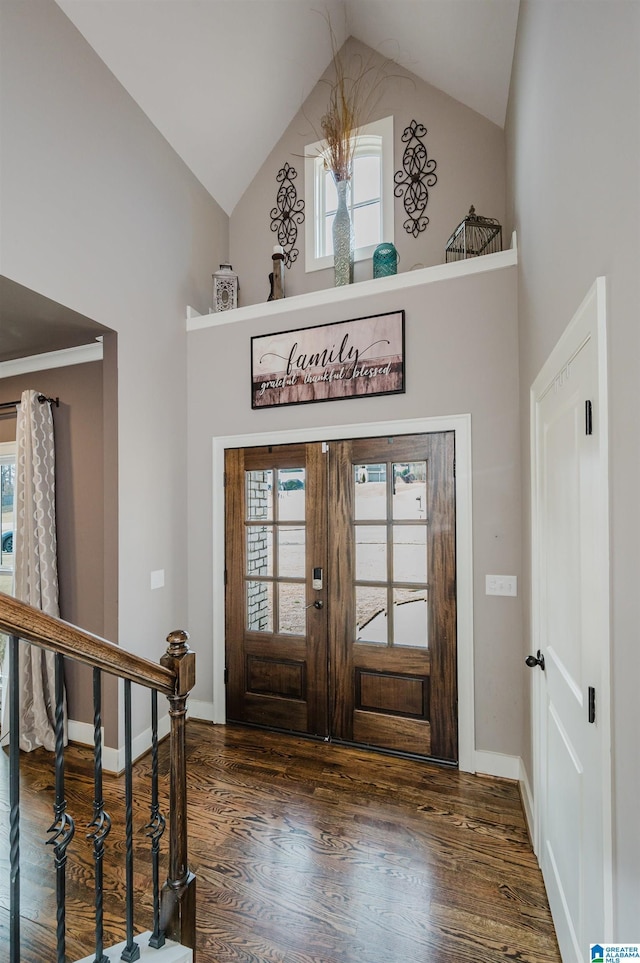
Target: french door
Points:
(340, 591)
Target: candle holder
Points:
(277, 275)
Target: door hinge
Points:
(225, 576)
(588, 418)
(226, 675)
(592, 704)
(224, 480)
(454, 468)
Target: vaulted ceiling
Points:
(222, 79)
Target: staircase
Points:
(170, 937)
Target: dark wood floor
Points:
(305, 852)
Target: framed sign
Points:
(345, 359)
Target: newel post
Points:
(178, 902)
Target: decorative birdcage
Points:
(474, 235)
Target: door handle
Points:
(318, 604)
(533, 660)
(592, 704)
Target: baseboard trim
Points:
(509, 767)
(203, 711)
(112, 758)
(497, 764)
(82, 733)
(527, 801)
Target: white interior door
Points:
(571, 631)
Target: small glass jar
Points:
(385, 261)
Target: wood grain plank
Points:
(305, 852)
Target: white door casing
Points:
(570, 627)
(461, 425)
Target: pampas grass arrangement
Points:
(352, 96)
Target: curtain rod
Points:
(41, 399)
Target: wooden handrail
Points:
(18, 618)
(174, 677)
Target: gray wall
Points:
(468, 150)
(573, 147)
(99, 214)
(462, 357)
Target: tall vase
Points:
(343, 243)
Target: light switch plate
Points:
(157, 579)
(502, 585)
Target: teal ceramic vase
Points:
(343, 242)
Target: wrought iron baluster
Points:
(100, 825)
(63, 827)
(131, 951)
(155, 827)
(14, 802)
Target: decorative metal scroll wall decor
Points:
(416, 176)
(288, 213)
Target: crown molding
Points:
(52, 359)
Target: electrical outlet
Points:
(501, 585)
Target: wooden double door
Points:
(341, 591)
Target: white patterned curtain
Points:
(36, 566)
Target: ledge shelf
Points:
(353, 292)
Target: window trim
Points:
(314, 202)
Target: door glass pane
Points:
(291, 608)
(371, 553)
(291, 546)
(410, 617)
(409, 553)
(371, 614)
(291, 489)
(259, 606)
(410, 489)
(370, 491)
(259, 550)
(259, 486)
